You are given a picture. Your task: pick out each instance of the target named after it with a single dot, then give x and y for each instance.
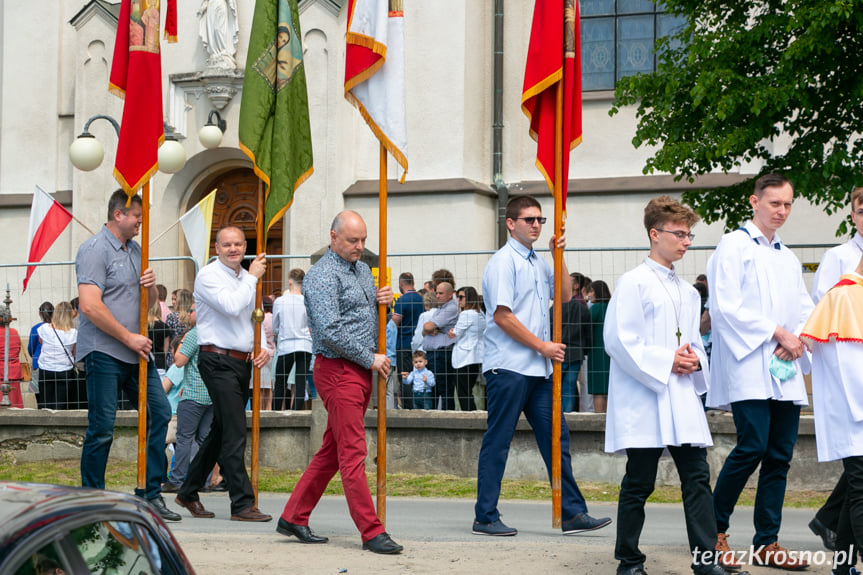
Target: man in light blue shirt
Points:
(517, 288)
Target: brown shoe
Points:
(726, 555)
(775, 556)
(251, 514)
(195, 508)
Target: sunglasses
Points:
(531, 219)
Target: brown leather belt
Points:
(241, 355)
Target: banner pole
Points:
(142, 362)
(382, 343)
(556, 412)
(257, 320)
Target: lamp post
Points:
(6, 319)
(86, 153)
(211, 133)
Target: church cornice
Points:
(334, 6)
(110, 11)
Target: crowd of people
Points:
(652, 355)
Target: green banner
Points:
(274, 115)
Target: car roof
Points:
(29, 507)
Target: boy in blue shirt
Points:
(421, 381)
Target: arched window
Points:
(617, 39)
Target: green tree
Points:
(772, 81)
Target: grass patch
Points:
(121, 476)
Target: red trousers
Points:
(345, 388)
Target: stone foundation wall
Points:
(419, 442)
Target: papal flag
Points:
(197, 226)
(375, 71)
(136, 76)
(274, 115)
(553, 56)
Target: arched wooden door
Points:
(236, 204)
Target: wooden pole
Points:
(142, 362)
(382, 342)
(258, 318)
(556, 412)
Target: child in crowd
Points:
(421, 381)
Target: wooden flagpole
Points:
(382, 342)
(257, 318)
(142, 362)
(556, 413)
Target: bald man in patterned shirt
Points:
(341, 302)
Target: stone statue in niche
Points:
(219, 31)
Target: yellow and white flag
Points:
(197, 226)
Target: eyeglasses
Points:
(191, 310)
(460, 296)
(530, 219)
(679, 235)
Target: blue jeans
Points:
(766, 434)
(106, 376)
(423, 400)
(508, 394)
(569, 385)
(193, 424)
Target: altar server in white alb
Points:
(834, 333)
(836, 261)
(843, 258)
(658, 370)
(758, 305)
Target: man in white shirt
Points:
(438, 346)
(835, 262)
(758, 303)
(658, 372)
(224, 301)
(517, 287)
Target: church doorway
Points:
(236, 204)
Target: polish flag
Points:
(48, 219)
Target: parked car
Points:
(50, 529)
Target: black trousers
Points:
(849, 529)
(227, 381)
(61, 390)
(829, 512)
(638, 484)
(465, 378)
(281, 393)
(440, 364)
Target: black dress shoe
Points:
(163, 511)
(383, 544)
(827, 535)
(631, 570)
(301, 532)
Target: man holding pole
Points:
(108, 267)
(342, 305)
(517, 288)
(224, 301)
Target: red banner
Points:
(554, 55)
(136, 75)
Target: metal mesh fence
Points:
(55, 282)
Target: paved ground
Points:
(437, 539)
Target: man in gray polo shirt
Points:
(108, 266)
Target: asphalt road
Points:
(437, 538)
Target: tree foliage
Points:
(778, 83)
